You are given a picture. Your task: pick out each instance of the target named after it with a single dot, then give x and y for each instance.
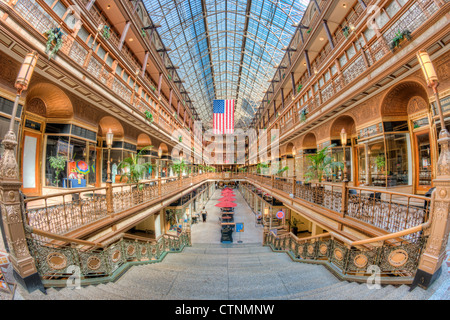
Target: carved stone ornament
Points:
(8, 164)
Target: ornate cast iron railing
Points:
(56, 264)
(64, 212)
(390, 211)
(397, 259)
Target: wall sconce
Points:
(343, 137)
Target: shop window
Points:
(342, 60)
(58, 152)
(327, 76)
(109, 60)
(351, 52)
(369, 33)
(333, 69)
(381, 19)
(397, 151)
(49, 2)
(83, 34)
(101, 52)
(119, 70)
(60, 9)
(392, 8)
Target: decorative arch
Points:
(309, 141)
(396, 100)
(143, 140)
(343, 122)
(289, 149)
(109, 122)
(57, 103)
(164, 148)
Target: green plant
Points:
(279, 172)
(178, 166)
(180, 138)
(143, 33)
(54, 41)
(399, 36)
(346, 31)
(321, 163)
(106, 32)
(261, 165)
(149, 115)
(380, 162)
(299, 88)
(59, 164)
(134, 169)
(303, 115)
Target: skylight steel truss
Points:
(226, 49)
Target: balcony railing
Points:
(390, 211)
(394, 261)
(65, 212)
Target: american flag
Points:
(223, 116)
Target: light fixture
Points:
(294, 151)
(321, 39)
(109, 138)
(108, 7)
(427, 67)
(432, 81)
(344, 142)
(344, 5)
(159, 152)
(131, 39)
(26, 71)
(343, 137)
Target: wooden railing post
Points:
(294, 184)
(159, 185)
(344, 201)
(435, 250)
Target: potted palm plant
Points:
(134, 169)
(321, 164)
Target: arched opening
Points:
(342, 134)
(401, 153)
(44, 104)
(163, 161)
(117, 152)
(308, 147)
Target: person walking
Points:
(204, 212)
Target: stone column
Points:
(435, 250)
(23, 263)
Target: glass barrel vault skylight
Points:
(226, 49)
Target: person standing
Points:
(204, 212)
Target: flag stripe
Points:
(223, 116)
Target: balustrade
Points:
(397, 258)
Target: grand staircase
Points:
(233, 271)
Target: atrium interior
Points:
(224, 149)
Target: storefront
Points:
(119, 151)
(70, 155)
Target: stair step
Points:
(398, 294)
